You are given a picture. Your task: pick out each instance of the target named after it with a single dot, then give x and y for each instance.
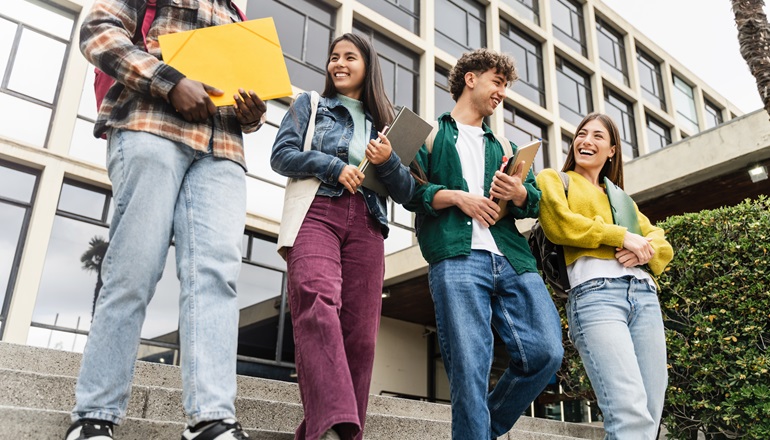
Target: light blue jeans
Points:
(471, 294)
(617, 327)
(163, 189)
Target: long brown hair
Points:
(612, 169)
(373, 95)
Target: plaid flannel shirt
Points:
(139, 99)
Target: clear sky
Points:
(700, 34)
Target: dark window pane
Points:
(305, 28)
(529, 60)
(405, 13)
(400, 67)
(12, 219)
(527, 8)
(658, 135)
(16, 185)
(651, 80)
(567, 17)
(574, 90)
(522, 130)
(81, 201)
(713, 115)
(460, 26)
(444, 101)
(623, 114)
(612, 51)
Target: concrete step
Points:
(44, 379)
(41, 424)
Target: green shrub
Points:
(715, 296)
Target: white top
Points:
(470, 146)
(588, 268)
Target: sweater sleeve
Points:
(664, 253)
(564, 226)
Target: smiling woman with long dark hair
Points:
(613, 311)
(337, 262)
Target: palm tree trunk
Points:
(754, 40)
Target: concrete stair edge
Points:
(153, 378)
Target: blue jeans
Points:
(617, 327)
(163, 189)
(471, 294)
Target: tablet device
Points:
(525, 154)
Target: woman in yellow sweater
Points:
(613, 311)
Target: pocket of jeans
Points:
(373, 226)
(588, 287)
(319, 209)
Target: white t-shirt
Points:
(588, 268)
(470, 146)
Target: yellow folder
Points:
(244, 55)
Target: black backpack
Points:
(549, 256)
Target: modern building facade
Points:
(573, 57)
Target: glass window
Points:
(405, 13)
(658, 135)
(29, 83)
(444, 101)
(522, 130)
(261, 298)
(528, 54)
(568, 24)
(713, 114)
(574, 89)
(400, 68)
(17, 188)
(84, 201)
(612, 51)
(566, 142)
(651, 80)
(684, 101)
(460, 26)
(623, 113)
(305, 29)
(84, 145)
(527, 8)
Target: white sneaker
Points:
(227, 429)
(89, 429)
(330, 435)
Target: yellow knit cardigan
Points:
(582, 222)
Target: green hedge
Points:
(716, 303)
(715, 296)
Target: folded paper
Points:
(245, 55)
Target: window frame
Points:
(653, 69)
(574, 9)
(605, 30)
(16, 261)
(524, 77)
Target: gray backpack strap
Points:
(431, 137)
(314, 97)
(506, 144)
(564, 181)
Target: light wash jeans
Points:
(163, 189)
(471, 294)
(617, 327)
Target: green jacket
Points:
(447, 232)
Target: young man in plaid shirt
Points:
(177, 167)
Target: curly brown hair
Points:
(479, 61)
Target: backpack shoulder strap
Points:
(431, 137)
(564, 181)
(314, 98)
(506, 144)
(149, 16)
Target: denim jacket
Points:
(329, 154)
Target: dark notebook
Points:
(406, 134)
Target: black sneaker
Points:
(227, 429)
(89, 429)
